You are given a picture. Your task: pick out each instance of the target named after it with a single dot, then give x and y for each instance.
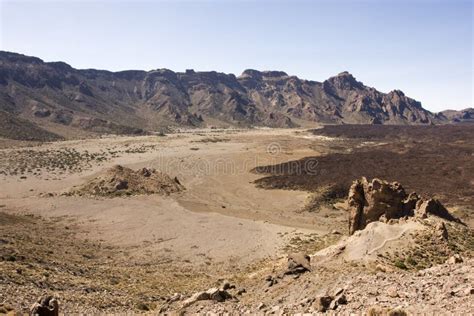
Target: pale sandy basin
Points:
(221, 216)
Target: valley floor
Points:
(141, 252)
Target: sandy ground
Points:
(221, 216)
(112, 254)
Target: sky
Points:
(424, 48)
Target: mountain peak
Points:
(251, 73)
(345, 74)
(397, 92)
(256, 74)
(267, 98)
(345, 80)
(274, 73)
(15, 57)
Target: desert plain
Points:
(242, 201)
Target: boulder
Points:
(432, 207)
(323, 303)
(213, 294)
(339, 298)
(6, 309)
(397, 311)
(454, 259)
(42, 113)
(441, 231)
(198, 296)
(146, 172)
(45, 306)
(121, 185)
(392, 291)
(218, 295)
(298, 263)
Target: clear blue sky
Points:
(424, 48)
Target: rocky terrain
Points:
(13, 127)
(120, 180)
(260, 221)
(41, 256)
(374, 263)
(369, 201)
(71, 102)
(462, 116)
(430, 160)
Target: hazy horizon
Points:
(423, 48)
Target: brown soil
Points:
(119, 180)
(13, 127)
(39, 256)
(131, 254)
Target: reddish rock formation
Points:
(381, 200)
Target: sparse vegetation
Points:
(119, 255)
(400, 264)
(310, 243)
(13, 127)
(212, 140)
(48, 257)
(59, 162)
(428, 250)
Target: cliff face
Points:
(462, 116)
(50, 94)
(339, 99)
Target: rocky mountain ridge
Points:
(54, 95)
(462, 116)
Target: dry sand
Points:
(221, 226)
(220, 214)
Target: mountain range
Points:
(62, 100)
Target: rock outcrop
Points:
(45, 306)
(298, 263)
(375, 200)
(326, 302)
(213, 294)
(119, 180)
(432, 206)
(453, 116)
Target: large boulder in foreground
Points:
(119, 180)
(374, 200)
(45, 306)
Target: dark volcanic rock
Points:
(46, 306)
